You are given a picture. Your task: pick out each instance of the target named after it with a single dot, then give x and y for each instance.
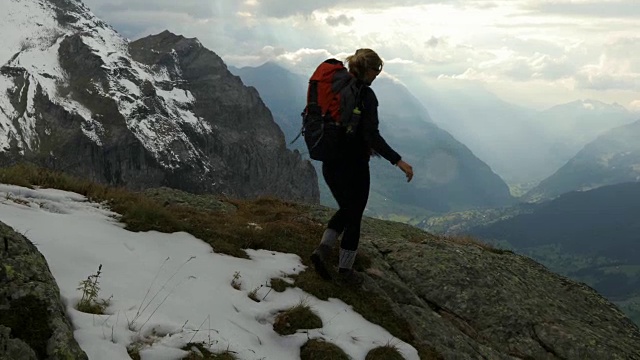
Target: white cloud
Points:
(524, 42)
(635, 105)
(609, 73)
(588, 8)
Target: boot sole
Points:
(320, 267)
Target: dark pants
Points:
(349, 184)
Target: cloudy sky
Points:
(535, 53)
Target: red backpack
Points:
(332, 109)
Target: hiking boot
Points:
(319, 257)
(350, 277)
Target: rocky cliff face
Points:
(164, 110)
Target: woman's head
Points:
(365, 64)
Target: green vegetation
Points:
(460, 222)
(519, 189)
(277, 225)
(296, 318)
(90, 287)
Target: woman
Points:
(348, 177)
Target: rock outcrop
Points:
(33, 322)
(473, 302)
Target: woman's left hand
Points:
(406, 168)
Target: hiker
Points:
(348, 174)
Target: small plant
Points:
(295, 318)
(253, 294)
(236, 282)
(10, 197)
(199, 351)
(134, 351)
(90, 287)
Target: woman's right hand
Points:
(406, 168)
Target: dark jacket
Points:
(367, 139)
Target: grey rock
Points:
(469, 301)
(33, 322)
(14, 349)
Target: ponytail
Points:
(363, 60)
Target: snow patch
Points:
(171, 289)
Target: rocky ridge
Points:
(162, 111)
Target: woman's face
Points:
(371, 74)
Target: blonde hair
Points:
(362, 60)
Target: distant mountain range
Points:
(521, 145)
(612, 158)
(448, 175)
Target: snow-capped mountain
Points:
(164, 110)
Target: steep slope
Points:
(498, 132)
(75, 97)
(448, 175)
(286, 100)
(612, 158)
(591, 236)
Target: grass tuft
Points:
(318, 349)
(387, 352)
(236, 281)
(298, 317)
(253, 294)
(279, 285)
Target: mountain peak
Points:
(590, 105)
(167, 38)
